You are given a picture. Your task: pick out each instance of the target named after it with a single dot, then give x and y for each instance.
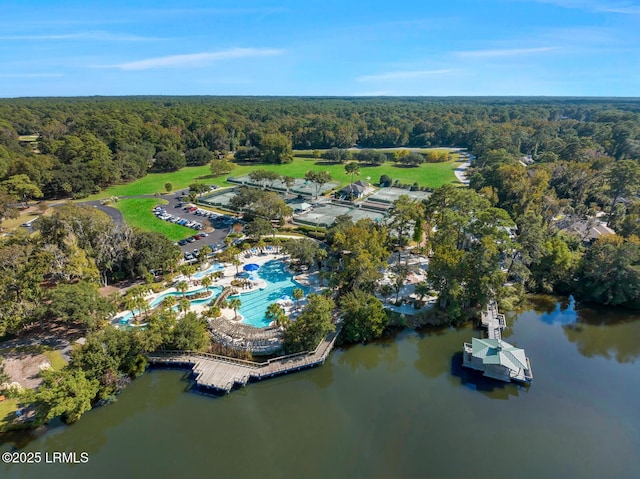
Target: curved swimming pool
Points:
(215, 290)
(211, 269)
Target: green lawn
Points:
(428, 174)
(56, 359)
(7, 408)
(138, 212)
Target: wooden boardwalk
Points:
(503, 370)
(222, 373)
(493, 321)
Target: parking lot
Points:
(216, 226)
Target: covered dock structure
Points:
(497, 359)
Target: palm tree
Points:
(218, 275)
(206, 281)
(141, 305)
(169, 302)
(184, 305)
(235, 303)
(182, 286)
(188, 270)
(353, 169)
(276, 314)
(214, 311)
(130, 303)
(261, 245)
(236, 262)
(204, 253)
(297, 294)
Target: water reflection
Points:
(435, 347)
(619, 342)
(597, 331)
(322, 376)
(564, 313)
(371, 356)
(476, 381)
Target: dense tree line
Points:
(86, 144)
(56, 273)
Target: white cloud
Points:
(502, 52)
(212, 11)
(193, 59)
(30, 75)
(621, 7)
(97, 35)
(404, 75)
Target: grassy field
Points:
(56, 359)
(137, 212)
(428, 174)
(7, 408)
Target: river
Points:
(398, 408)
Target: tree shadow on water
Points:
(474, 380)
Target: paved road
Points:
(215, 237)
(461, 171)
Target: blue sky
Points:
(326, 47)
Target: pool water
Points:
(279, 283)
(211, 269)
(153, 304)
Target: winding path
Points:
(461, 171)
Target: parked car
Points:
(191, 239)
(182, 242)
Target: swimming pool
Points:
(279, 283)
(215, 290)
(211, 269)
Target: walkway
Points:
(221, 373)
(493, 321)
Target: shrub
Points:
(385, 181)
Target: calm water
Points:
(401, 408)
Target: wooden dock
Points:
(222, 373)
(496, 358)
(493, 320)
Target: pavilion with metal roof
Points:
(497, 359)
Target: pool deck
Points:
(229, 272)
(221, 373)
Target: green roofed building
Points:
(497, 359)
